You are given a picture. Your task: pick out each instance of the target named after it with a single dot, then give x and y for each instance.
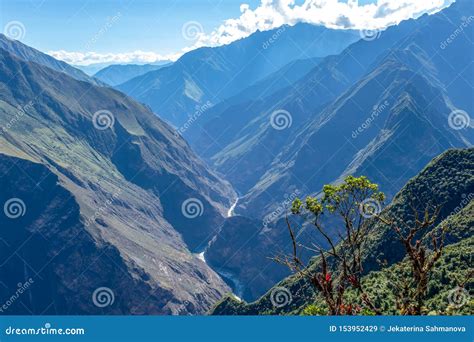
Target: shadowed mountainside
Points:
(210, 75)
(103, 198)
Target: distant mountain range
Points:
(210, 75)
(120, 73)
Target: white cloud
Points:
(274, 13)
(330, 13)
(87, 58)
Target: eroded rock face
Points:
(101, 205)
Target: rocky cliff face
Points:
(110, 195)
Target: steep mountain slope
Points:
(408, 126)
(30, 54)
(405, 134)
(112, 197)
(387, 125)
(216, 129)
(242, 138)
(117, 74)
(447, 180)
(246, 153)
(214, 74)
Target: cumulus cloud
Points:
(274, 13)
(330, 13)
(88, 58)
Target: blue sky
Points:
(87, 31)
(144, 25)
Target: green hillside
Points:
(448, 181)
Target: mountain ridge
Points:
(28, 53)
(213, 74)
(46, 118)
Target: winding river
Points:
(229, 278)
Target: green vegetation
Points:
(353, 201)
(448, 181)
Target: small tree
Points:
(341, 263)
(353, 201)
(423, 247)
